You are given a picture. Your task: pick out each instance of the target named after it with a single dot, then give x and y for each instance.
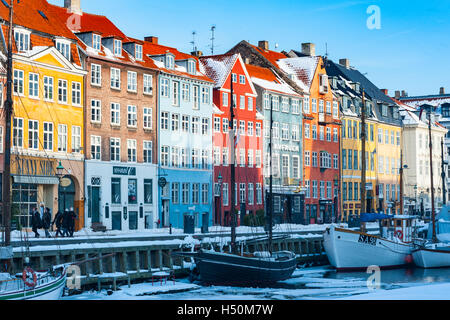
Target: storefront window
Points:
(148, 191)
(132, 191)
(115, 191)
(24, 200)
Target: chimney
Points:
(309, 49)
(263, 44)
(197, 53)
(385, 91)
(73, 6)
(151, 39)
(344, 62)
(397, 94)
(442, 91)
(404, 94)
(247, 60)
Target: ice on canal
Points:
(306, 283)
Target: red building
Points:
(249, 140)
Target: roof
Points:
(434, 100)
(303, 68)
(267, 79)
(218, 67)
(272, 56)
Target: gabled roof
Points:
(218, 67)
(303, 68)
(434, 100)
(267, 79)
(272, 56)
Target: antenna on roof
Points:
(194, 47)
(213, 28)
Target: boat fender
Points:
(399, 234)
(29, 282)
(409, 259)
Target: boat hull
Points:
(431, 258)
(228, 269)
(51, 290)
(351, 250)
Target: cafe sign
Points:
(33, 167)
(124, 171)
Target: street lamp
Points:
(219, 214)
(60, 174)
(336, 200)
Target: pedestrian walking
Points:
(57, 221)
(65, 223)
(72, 216)
(35, 222)
(46, 222)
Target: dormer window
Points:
(138, 52)
(117, 47)
(63, 47)
(96, 42)
(191, 67)
(170, 62)
(22, 38)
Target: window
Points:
(380, 135)
(242, 157)
(18, 82)
(258, 129)
(322, 189)
(148, 151)
(175, 93)
(241, 79)
(335, 161)
(335, 134)
(196, 193)
(321, 109)
(225, 194)
(148, 191)
(114, 149)
(275, 130)
(195, 124)
(185, 193)
(307, 131)
(148, 118)
(22, 39)
(33, 134)
(314, 105)
(185, 123)
(307, 158)
(95, 147)
(96, 74)
(205, 126)
(276, 103)
(76, 93)
(175, 157)
(196, 97)
(132, 191)
(284, 104)
(328, 107)
(205, 193)
(195, 157)
(192, 67)
(251, 194)
(164, 88)
(306, 105)
(266, 101)
(314, 159)
(250, 158)
(117, 47)
(131, 146)
(64, 48)
(164, 120)
(138, 49)
(285, 131)
(76, 139)
(62, 91)
(386, 136)
(250, 104)
(115, 191)
(216, 156)
(216, 124)
(132, 81)
(335, 110)
(165, 156)
(258, 193)
(184, 158)
(225, 156)
(295, 167)
(224, 99)
(115, 78)
(48, 136)
(314, 132)
(33, 85)
(398, 138)
(321, 133)
(148, 84)
(295, 106)
(329, 134)
(1, 146)
(175, 122)
(115, 113)
(258, 158)
(344, 159)
(308, 189)
(242, 102)
(62, 138)
(96, 111)
(205, 95)
(170, 62)
(96, 42)
(241, 192)
(18, 132)
(175, 192)
(350, 159)
(234, 77)
(314, 189)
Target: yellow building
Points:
(47, 126)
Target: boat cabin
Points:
(397, 227)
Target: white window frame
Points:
(115, 78)
(115, 114)
(96, 75)
(132, 81)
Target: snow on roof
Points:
(435, 102)
(302, 68)
(218, 67)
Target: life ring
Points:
(28, 282)
(399, 234)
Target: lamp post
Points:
(60, 175)
(336, 200)
(219, 215)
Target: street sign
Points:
(162, 182)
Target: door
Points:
(95, 204)
(133, 220)
(165, 213)
(116, 217)
(148, 220)
(66, 194)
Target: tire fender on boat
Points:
(29, 282)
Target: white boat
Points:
(355, 250)
(45, 286)
(435, 255)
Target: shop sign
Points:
(124, 171)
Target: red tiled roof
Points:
(272, 56)
(261, 73)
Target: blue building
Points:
(185, 111)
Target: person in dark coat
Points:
(66, 223)
(46, 221)
(57, 221)
(35, 222)
(72, 216)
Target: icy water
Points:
(306, 283)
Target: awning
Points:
(372, 217)
(36, 180)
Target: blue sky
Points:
(409, 52)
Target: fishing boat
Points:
(349, 249)
(241, 268)
(28, 285)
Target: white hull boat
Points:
(354, 250)
(432, 256)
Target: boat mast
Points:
(270, 198)
(363, 158)
(8, 114)
(431, 176)
(401, 182)
(232, 168)
(444, 192)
